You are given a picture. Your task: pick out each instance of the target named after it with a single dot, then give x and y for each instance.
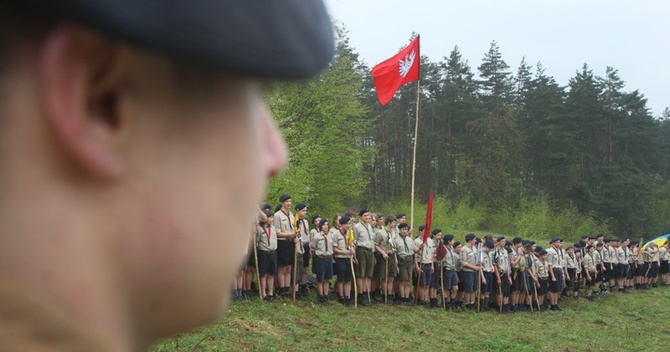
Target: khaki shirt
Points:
(303, 226)
(404, 246)
(468, 256)
(386, 240)
(339, 242)
(487, 261)
(622, 255)
(541, 269)
(451, 259)
(501, 260)
(553, 259)
(607, 255)
(322, 244)
(589, 262)
(364, 236)
(652, 254)
(597, 257)
(428, 252)
(571, 261)
(266, 238)
(284, 223)
(663, 253)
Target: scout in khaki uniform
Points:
(541, 270)
(322, 246)
(653, 259)
(304, 252)
(664, 269)
(266, 239)
(450, 275)
(517, 278)
(590, 272)
(424, 254)
(573, 271)
(436, 238)
(387, 266)
(487, 272)
(503, 270)
(284, 222)
(555, 273)
(365, 247)
(343, 253)
(405, 252)
(470, 270)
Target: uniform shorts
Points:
(517, 280)
(450, 278)
(405, 266)
(653, 270)
(267, 262)
(544, 287)
(365, 267)
(380, 267)
(306, 255)
(343, 269)
(251, 261)
(323, 268)
(488, 287)
(641, 269)
(664, 269)
(556, 286)
(469, 281)
(285, 253)
(426, 275)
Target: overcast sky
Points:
(631, 36)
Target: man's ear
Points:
(81, 96)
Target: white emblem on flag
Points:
(406, 65)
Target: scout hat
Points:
(289, 39)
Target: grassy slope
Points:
(624, 322)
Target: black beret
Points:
(542, 252)
(592, 237)
(363, 211)
(268, 39)
(469, 237)
(555, 239)
(435, 232)
(268, 213)
(588, 246)
(345, 219)
(422, 227)
(489, 244)
(266, 206)
(607, 240)
(531, 243)
(524, 242)
(448, 237)
(516, 240)
(539, 249)
(457, 243)
(509, 250)
(399, 215)
(402, 226)
(577, 245)
(599, 244)
(500, 238)
(323, 221)
(585, 237)
(284, 197)
(300, 206)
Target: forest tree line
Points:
(490, 137)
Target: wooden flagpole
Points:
(416, 132)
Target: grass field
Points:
(635, 321)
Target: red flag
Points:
(397, 71)
(429, 216)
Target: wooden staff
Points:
(258, 275)
(386, 282)
(442, 284)
(295, 268)
(525, 285)
(353, 275)
(418, 277)
(537, 299)
(480, 273)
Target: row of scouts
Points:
(377, 259)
